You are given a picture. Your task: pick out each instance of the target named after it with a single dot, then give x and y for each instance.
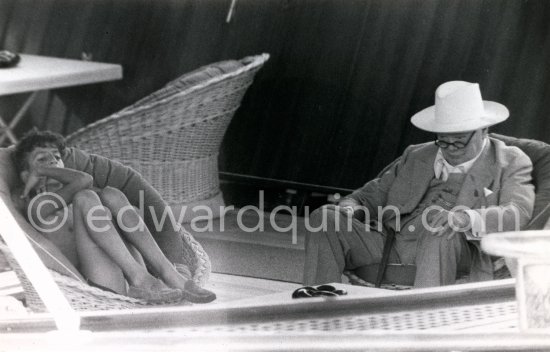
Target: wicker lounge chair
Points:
(80, 295)
(172, 137)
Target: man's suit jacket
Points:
(498, 186)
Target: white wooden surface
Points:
(37, 273)
(35, 73)
(174, 328)
(284, 296)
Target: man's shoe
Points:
(193, 293)
(165, 295)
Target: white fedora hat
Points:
(459, 108)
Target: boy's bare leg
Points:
(95, 264)
(138, 234)
(103, 233)
(135, 253)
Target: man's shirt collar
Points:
(442, 168)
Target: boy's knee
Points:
(88, 202)
(111, 196)
(86, 198)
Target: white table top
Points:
(35, 73)
(534, 244)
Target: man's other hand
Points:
(449, 223)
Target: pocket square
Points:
(487, 192)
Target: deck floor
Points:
(264, 248)
(228, 288)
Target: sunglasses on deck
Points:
(319, 291)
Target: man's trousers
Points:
(335, 243)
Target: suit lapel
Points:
(421, 175)
(480, 176)
(411, 184)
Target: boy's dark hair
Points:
(34, 139)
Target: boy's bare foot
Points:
(191, 291)
(153, 290)
(196, 294)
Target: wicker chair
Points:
(80, 295)
(539, 153)
(172, 137)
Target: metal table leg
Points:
(7, 130)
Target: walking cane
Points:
(390, 238)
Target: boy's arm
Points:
(73, 181)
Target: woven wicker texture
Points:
(83, 297)
(172, 137)
(195, 258)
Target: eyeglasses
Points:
(457, 145)
(319, 291)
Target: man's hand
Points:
(347, 210)
(444, 219)
(355, 211)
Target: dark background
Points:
(332, 106)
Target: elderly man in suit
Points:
(437, 199)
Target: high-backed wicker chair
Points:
(172, 137)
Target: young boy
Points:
(63, 205)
